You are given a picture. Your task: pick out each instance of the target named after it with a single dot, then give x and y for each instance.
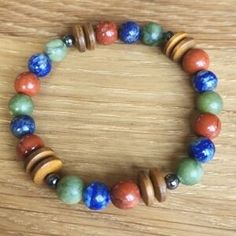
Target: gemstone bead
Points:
(106, 32)
(27, 83)
(130, 32)
(40, 64)
(52, 180)
(22, 125)
(152, 34)
(69, 40)
(21, 104)
(27, 144)
(167, 35)
(195, 60)
(207, 125)
(69, 189)
(56, 50)
(189, 171)
(204, 81)
(202, 150)
(209, 102)
(96, 196)
(125, 194)
(172, 181)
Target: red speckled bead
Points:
(125, 194)
(106, 32)
(27, 83)
(27, 144)
(207, 125)
(195, 60)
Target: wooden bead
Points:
(181, 48)
(45, 167)
(159, 184)
(36, 157)
(146, 188)
(90, 36)
(78, 34)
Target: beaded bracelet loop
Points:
(44, 166)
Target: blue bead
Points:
(22, 125)
(204, 81)
(202, 150)
(130, 32)
(40, 64)
(96, 196)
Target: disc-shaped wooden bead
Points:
(181, 48)
(90, 36)
(78, 34)
(146, 188)
(159, 184)
(36, 157)
(45, 167)
(173, 41)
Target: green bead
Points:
(70, 189)
(152, 34)
(189, 171)
(210, 102)
(21, 104)
(56, 50)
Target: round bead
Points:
(70, 189)
(202, 149)
(28, 144)
(125, 194)
(204, 81)
(152, 34)
(189, 171)
(22, 125)
(207, 125)
(209, 102)
(106, 32)
(27, 83)
(172, 181)
(96, 196)
(167, 35)
(40, 64)
(56, 50)
(195, 60)
(69, 40)
(21, 104)
(52, 180)
(130, 32)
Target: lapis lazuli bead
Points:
(204, 81)
(130, 32)
(40, 64)
(202, 150)
(22, 125)
(96, 196)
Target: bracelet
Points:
(44, 166)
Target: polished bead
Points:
(40, 64)
(22, 125)
(172, 181)
(69, 189)
(21, 104)
(106, 32)
(89, 36)
(79, 36)
(195, 60)
(27, 83)
(96, 196)
(202, 149)
(125, 194)
(210, 102)
(152, 34)
(207, 125)
(189, 171)
(27, 144)
(130, 32)
(52, 180)
(69, 40)
(167, 35)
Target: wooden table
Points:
(112, 112)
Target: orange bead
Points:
(195, 60)
(27, 83)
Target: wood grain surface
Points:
(114, 111)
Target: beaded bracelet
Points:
(44, 166)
